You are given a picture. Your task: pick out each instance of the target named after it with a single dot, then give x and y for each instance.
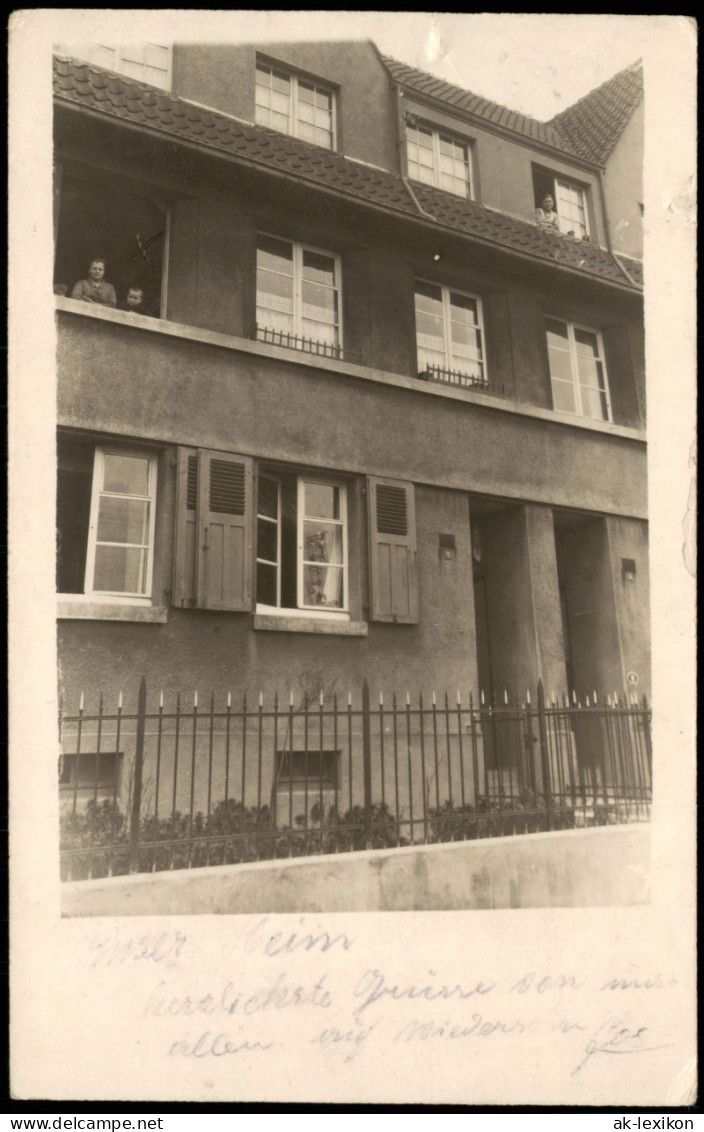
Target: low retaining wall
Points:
(585, 868)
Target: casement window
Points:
(294, 105)
(302, 548)
(298, 294)
(577, 370)
(105, 522)
(393, 557)
(146, 62)
(277, 541)
(437, 159)
(99, 218)
(569, 202)
(449, 334)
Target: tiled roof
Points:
(593, 125)
(128, 101)
(434, 87)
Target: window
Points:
(569, 202)
(285, 546)
(105, 522)
(438, 159)
(301, 543)
(146, 62)
(449, 335)
(577, 370)
(90, 771)
(294, 105)
(96, 219)
(298, 295)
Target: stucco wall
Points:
(589, 868)
(211, 651)
(129, 382)
(623, 184)
(222, 76)
(211, 267)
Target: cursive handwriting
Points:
(480, 1027)
(211, 1044)
(613, 1037)
(111, 950)
(373, 987)
(279, 995)
(260, 938)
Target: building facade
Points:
(372, 417)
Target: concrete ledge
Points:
(274, 623)
(343, 368)
(577, 868)
(105, 611)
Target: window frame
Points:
(446, 292)
(294, 78)
(542, 175)
(93, 49)
(120, 597)
(576, 384)
(68, 173)
(297, 260)
(573, 187)
(301, 609)
(439, 134)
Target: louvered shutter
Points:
(392, 534)
(184, 588)
(213, 560)
(224, 562)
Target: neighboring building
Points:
(375, 420)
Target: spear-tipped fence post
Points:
(544, 753)
(137, 777)
(367, 762)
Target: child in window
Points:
(134, 301)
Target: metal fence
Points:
(146, 790)
(309, 345)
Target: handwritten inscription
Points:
(479, 1027)
(278, 995)
(348, 1010)
(211, 1044)
(613, 1037)
(275, 944)
(375, 986)
(158, 947)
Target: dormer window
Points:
(569, 202)
(438, 159)
(294, 105)
(145, 62)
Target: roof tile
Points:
(424, 83)
(593, 125)
(130, 101)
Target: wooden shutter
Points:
(392, 538)
(184, 587)
(214, 530)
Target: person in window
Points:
(134, 301)
(545, 216)
(95, 289)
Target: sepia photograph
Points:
(349, 383)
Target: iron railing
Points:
(308, 345)
(145, 790)
(454, 377)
